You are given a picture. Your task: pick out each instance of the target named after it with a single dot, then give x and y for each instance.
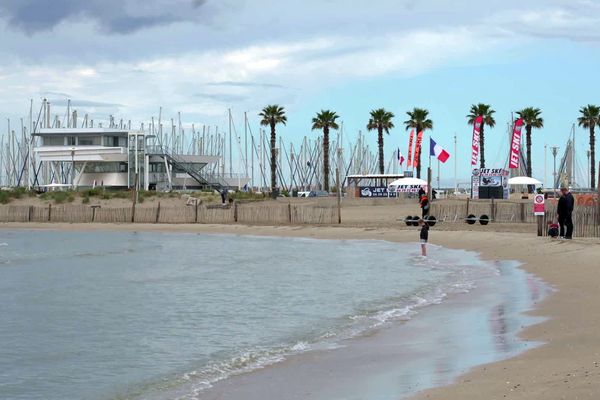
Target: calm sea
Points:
(117, 315)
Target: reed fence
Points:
(497, 210)
(586, 218)
(250, 213)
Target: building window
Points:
(105, 167)
(71, 140)
(89, 141)
(54, 141)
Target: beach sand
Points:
(567, 366)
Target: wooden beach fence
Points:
(585, 221)
(249, 213)
(498, 211)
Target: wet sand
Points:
(567, 366)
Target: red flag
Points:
(410, 145)
(515, 145)
(418, 149)
(475, 142)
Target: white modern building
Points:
(118, 158)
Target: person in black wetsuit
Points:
(424, 236)
(566, 203)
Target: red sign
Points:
(539, 206)
(515, 145)
(475, 142)
(410, 142)
(418, 149)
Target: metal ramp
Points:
(205, 179)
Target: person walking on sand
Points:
(421, 193)
(424, 206)
(566, 203)
(423, 236)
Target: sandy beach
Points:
(567, 366)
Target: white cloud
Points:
(291, 68)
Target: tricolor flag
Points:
(437, 151)
(400, 158)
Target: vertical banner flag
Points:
(437, 151)
(515, 145)
(410, 145)
(475, 142)
(418, 149)
(400, 158)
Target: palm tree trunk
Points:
(273, 158)
(326, 158)
(481, 147)
(528, 144)
(592, 158)
(380, 144)
(419, 151)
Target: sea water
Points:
(132, 315)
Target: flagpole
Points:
(429, 191)
(455, 166)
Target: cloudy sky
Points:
(201, 57)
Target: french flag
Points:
(437, 151)
(400, 157)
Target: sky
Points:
(127, 58)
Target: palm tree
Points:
(381, 120)
(419, 122)
(590, 118)
(485, 111)
(325, 120)
(532, 119)
(271, 116)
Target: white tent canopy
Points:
(408, 182)
(524, 180)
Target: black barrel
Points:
(471, 219)
(431, 220)
(484, 220)
(415, 220)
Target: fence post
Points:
(157, 213)
(30, 213)
(196, 213)
(467, 214)
(290, 213)
(235, 211)
(49, 212)
(492, 210)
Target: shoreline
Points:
(566, 366)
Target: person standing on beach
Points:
(424, 236)
(424, 206)
(421, 193)
(566, 203)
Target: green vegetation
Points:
(485, 111)
(325, 120)
(590, 118)
(532, 119)
(59, 197)
(380, 121)
(419, 121)
(6, 196)
(271, 116)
